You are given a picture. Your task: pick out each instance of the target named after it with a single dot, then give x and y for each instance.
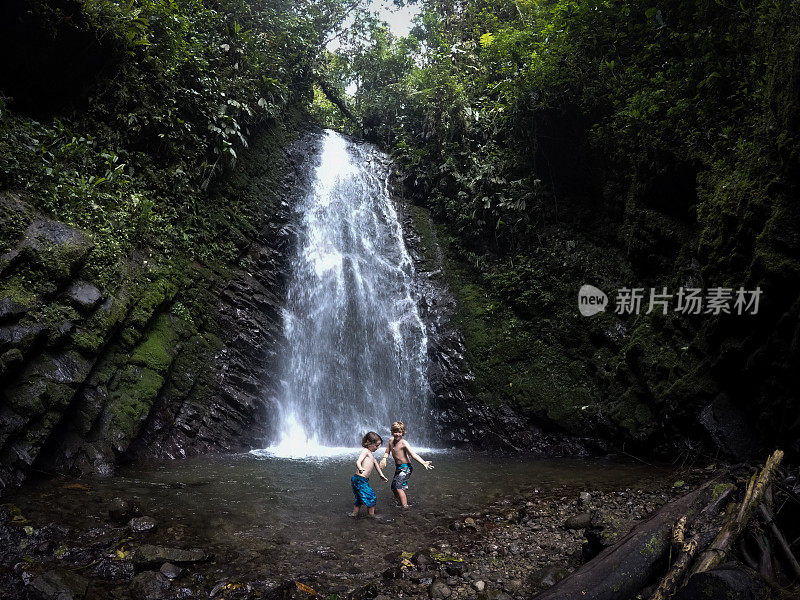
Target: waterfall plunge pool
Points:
(285, 518)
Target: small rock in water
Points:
(584, 498)
(439, 589)
(111, 570)
(122, 511)
(479, 585)
(326, 552)
(55, 585)
(171, 571)
(142, 524)
(149, 585)
(149, 556)
(514, 549)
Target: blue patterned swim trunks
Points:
(401, 475)
(362, 491)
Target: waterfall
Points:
(356, 348)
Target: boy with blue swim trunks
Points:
(402, 454)
(360, 481)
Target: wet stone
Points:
(149, 556)
(60, 585)
(11, 310)
(171, 571)
(439, 589)
(581, 521)
(142, 524)
(113, 570)
(83, 296)
(479, 585)
(122, 511)
(149, 585)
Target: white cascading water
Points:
(356, 348)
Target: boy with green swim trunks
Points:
(402, 454)
(362, 491)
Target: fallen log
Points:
(623, 569)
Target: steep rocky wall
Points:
(177, 360)
(461, 416)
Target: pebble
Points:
(142, 524)
(439, 589)
(479, 585)
(171, 571)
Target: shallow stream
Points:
(277, 518)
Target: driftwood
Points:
(718, 550)
(626, 567)
(691, 525)
(687, 551)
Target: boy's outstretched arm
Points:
(378, 467)
(425, 463)
(386, 455)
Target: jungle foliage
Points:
(118, 115)
(620, 143)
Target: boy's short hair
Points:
(398, 426)
(371, 438)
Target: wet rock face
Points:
(461, 418)
(92, 377)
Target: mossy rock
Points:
(27, 398)
(421, 220)
(15, 217)
(54, 248)
(155, 294)
(130, 403)
(160, 345)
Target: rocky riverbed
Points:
(511, 548)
